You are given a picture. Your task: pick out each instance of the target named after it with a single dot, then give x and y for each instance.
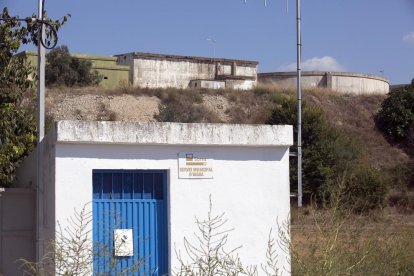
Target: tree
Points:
(396, 115)
(17, 125)
(327, 152)
(63, 69)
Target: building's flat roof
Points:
(190, 58)
(78, 56)
(117, 132)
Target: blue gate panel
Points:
(125, 199)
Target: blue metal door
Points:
(134, 200)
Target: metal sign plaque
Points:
(123, 243)
(195, 165)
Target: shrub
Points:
(366, 190)
(327, 152)
(17, 126)
(402, 196)
(17, 140)
(397, 113)
(63, 69)
(183, 106)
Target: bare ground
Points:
(98, 106)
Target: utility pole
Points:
(299, 94)
(213, 42)
(40, 133)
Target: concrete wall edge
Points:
(173, 134)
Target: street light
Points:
(40, 131)
(299, 94)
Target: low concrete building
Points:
(162, 71)
(147, 182)
(336, 81)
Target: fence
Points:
(17, 228)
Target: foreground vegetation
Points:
(326, 245)
(335, 241)
(322, 242)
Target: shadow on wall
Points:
(165, 152)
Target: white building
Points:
(149, 181)
(163, 71)
(341, 82)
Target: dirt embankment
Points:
(353, 113)
(95, 105)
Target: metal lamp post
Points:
(299, 94)
(40, 133)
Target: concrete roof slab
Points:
(102, 132)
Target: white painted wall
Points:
(165, 73)
(251, 185)
(289, 82)
(359, 85)
(241, 84)
(246, 71)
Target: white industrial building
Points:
(163, 71)
(341, 82)
(149, 181)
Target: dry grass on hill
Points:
(352, 113)
(355, 115)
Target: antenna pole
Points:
(299, 92)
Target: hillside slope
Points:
(353, 113)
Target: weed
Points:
(211, 257)
(73, 253)
(333, 241)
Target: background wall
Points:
(162, 71)
(336, 81)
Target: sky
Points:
(361, 36)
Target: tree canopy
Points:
(63, 69)
(17, 125)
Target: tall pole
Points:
(41, 81)
(40, 134)
(299, 90)
(213, 42)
